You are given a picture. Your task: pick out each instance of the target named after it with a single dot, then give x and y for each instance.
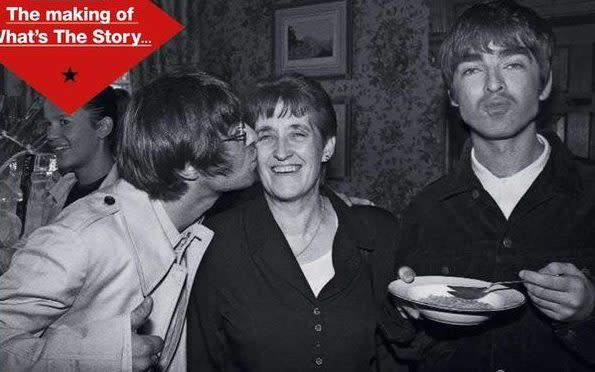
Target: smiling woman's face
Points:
(290, 155)
(73, 138)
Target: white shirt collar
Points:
(507, 191)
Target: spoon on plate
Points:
(474, 293)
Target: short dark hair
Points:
(176, 120)
(300, 96)
(105, 103)
(122, 100)
(506, 24)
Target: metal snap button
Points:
(109, 200)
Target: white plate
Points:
(503, 298)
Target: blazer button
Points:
(570, 336)
(109, 200)
(318, 361)
(475, 194)
(444, 270)
(318, 327)
(507, 242)
(316, 311)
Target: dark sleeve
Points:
(206, 339)
(407, 339)
(408, 236)
(397, 341)
(231, 199)
(578, 337)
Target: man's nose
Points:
(494, 80)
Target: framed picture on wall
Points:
(312, 39)
(339, 165)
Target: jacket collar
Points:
(270, 250)
(152, 242)
(560, 172)
(62, 188)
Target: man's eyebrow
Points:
(299, 126)
(470, 57)
(516, 50)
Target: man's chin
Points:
(245, 182)
(64, 167)
(251, 179)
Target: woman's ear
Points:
(104, 127)
(329, 149)
(189, 173)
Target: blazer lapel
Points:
(271, 252)
(349, 245)
(269, 248)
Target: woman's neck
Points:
(99, 167)
(296, 218)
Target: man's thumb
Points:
(141, 313)
(406, 274)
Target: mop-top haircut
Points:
(176, 120)
(507, 25)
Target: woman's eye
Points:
(64, 122)
(264, 137)
(469, 71)
(514, 66)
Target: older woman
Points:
(294, 279)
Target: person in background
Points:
(518, 204)
(105, 286)
(84, 144)
(294, 278)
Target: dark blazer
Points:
(454, 227)
(251, 308)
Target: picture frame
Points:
(312, 39)
(339, 167)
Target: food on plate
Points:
(456, 302)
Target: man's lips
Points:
(496, 106)
(284, 169)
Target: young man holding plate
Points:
(517, 205)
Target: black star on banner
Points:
(69, 75)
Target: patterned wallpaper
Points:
(396, 134)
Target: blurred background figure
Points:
(82, 147)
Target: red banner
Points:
(71, 50)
